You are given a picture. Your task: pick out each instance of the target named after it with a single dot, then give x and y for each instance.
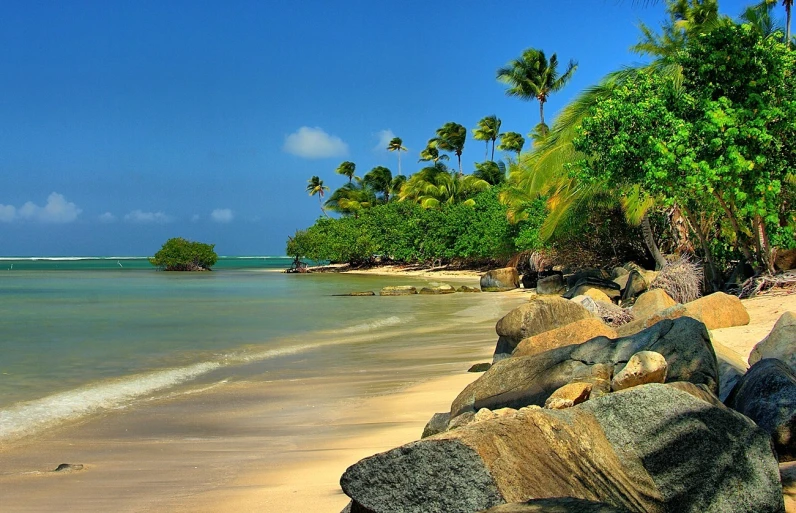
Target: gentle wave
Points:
(375, 324)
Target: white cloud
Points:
(314, 143)
(56, 210)
(138, 216)
(384, 136)
(222, 215)
(107, 217)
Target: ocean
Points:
(82, 336)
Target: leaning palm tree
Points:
(431, 154)
(434, 186)
(352, 198)
(511, 141)
(488, 130)
(397, 144)
(315, 186)
(380, 180)
(450, 137)
(532, 76)
(346, 169)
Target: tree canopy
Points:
(178, 254)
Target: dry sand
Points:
(199, 464)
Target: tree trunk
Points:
(740, 236)
(788, 8)
(399, 162)
(321, 205)
(459, 156)
(649, 240)
(493, 150)
(713, 280)
(541, 111)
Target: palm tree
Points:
(396, 144)
(450, 137)
(532, 76)
(346, 169)
(435, 185)
(511, 141)
(315, 186)
(431, 154)
(788, 4)
(488, 130)
(352, 198)
(490, 171)
(380, 180)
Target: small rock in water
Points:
(363, 293)
(480, 367)
(68, 466)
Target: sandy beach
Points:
(275, 446)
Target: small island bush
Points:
(179, 254)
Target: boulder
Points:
(718, 310)
(437, 424)
(500, 279)
(529, 280)
(643, 367)
(616, 272)
(568, 396)
(608, 287)
(573, 333)
(596, 295)
(479, 367)
(780, 343)
(438, 289)
(586, 302)
(788, 473)
(698, 391)
(461, 420)
(571, 280)
(556, 505)
(785, 259)
(550, 285)
(527, 380)
(651, 302)
(652, 448)
(363, 293)
(465, 288)
(767, 395)
(399, 290)
(537, 316)
(635, 285)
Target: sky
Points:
(123, 124)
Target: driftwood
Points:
(767, 282)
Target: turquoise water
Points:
(80, 336)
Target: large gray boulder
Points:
(529, 380)
(506, 278)
(537, 316)
(767, 395)
(652, 448)
(556, 505)
(780, 343)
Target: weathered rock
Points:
(635, 285)
(529, 280)
(698, 391)
(571, 280)
(788, 473)
(437, 424)
(573, 333)
(643, 367)
(438, 289)
(785, 259)
(732, 367)
(479, 367)
(500, 279)
(363, 293)
(652, 448)
(66, 467)
(399, 290)
(461, 420)
(525, 380)
(487, 414)
(586, 302)
(616, 272)
(767, 395)
(651, 302)
(465, 288)
(780, 343)
(608, 287)
(537, 316)
(550, 285)
(568, 396)
(718, 310)
(556, 505)
(596, 294)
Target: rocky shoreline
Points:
(576, 414)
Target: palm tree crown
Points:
(380, 180)
(346, 169)
(511, 141)
(315, 186)
(488, 130)
(397, 144)
(532, 76)
(450, 137)
(431, 154)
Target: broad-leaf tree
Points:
(346, 169)
(450, 137)
(397, 145)
(488, 130)
(315, 186)
(533, 77)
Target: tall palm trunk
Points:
(788, 7)
(541, 111)
(493, 150)
(399, 162)
(320, 202)
(459, 156)
(649, 240)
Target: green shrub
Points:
(180, 254)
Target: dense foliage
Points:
(179, 254)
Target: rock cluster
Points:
(572, 416)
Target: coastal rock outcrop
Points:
(767, 395)
(780, 343)
(651, 302)
(500, 279)
(576, 332)
(438, 289)
(522, 381)
(398, 290)
(556, 505)
(537, 316)
(437, 424)
(652, 448)
(550, 285)
(608, 287)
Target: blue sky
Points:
(125, 123)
